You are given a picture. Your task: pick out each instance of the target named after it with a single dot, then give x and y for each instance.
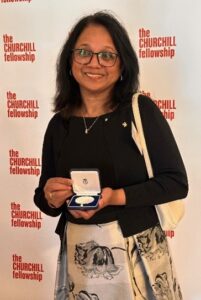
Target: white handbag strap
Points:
(138, 135)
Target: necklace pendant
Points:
(86, 131)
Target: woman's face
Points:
(92, 77)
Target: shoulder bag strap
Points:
(139, 135)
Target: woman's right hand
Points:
(57, 190)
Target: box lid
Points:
(86, 182)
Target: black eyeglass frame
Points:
(97, 55)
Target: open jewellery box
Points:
(86, 188)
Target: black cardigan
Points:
(169, 182)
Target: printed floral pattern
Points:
(95, 260)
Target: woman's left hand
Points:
(108, 197)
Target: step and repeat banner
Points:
(166, 36)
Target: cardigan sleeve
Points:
(48, 168)
(170, 179)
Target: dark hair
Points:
(67, 95)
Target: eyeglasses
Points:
(84, 57)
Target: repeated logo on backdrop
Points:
(21, 108)
(15, 1)
(26, 270)
(151, 46)
(167, 106)
(17, 107)
(18, 51)
(21, 218)
(20, 165)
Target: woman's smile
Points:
(94, 75)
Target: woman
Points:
(117, 250)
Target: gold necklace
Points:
(89, 128)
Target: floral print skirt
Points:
(103, 265)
